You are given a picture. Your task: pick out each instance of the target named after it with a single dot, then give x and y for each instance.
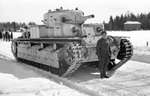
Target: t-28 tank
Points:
(64, 42)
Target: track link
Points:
(125, 53)
(76, 62)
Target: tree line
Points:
(13, 26)
(117, 23)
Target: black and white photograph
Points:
(74, 48)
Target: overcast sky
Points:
(33, 10)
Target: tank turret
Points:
(65, 16)
(61, 23)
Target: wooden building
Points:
(132, 25)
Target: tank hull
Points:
(59, 56)
(63, 56)
(64, 42)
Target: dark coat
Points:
(102, 45)
(103, 53)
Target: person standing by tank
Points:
(0, 34)
(11, 35)
(103, 52)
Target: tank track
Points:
(74, 49)
(71, 69)
(125, 53)
(75, 64)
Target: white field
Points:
(137, 38)
(132, 79)
(16, 34)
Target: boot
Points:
(105, 76)
(101, 77)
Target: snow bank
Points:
(141, 54)
(12, 86)
(17, 80)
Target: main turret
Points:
(60, 23)
(61, 16)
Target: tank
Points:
(64, 42)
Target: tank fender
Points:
(114, 43)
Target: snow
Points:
(17, 70)
(132, 22)
(12, 86)
(16, 34)
(16, 80)
(137, 38)
(132, 79)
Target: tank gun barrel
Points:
(88, 17)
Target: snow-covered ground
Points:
(132, 79)
(16, 34)
(138, 38)
(18, 80)
(33, 86)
